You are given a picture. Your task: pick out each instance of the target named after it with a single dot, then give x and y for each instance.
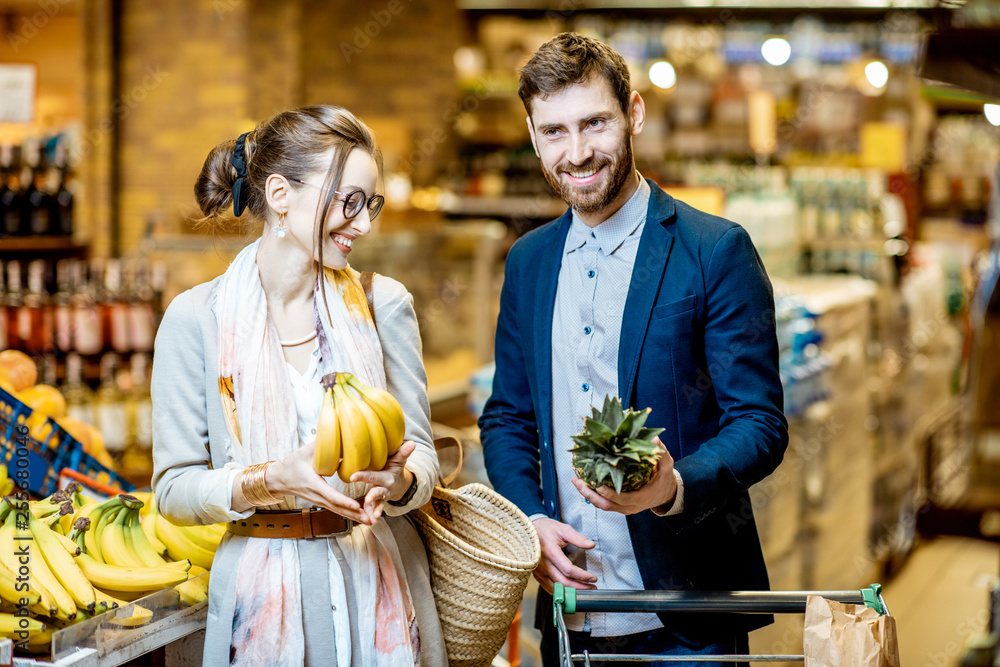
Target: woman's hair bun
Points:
(214, 188)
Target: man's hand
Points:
(556, 565)
(660, 490)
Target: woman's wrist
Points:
(253, 485)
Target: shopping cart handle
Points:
(730, 602)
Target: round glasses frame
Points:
(354, 201)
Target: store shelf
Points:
(540, 207)
(61, 245)
(107, 641)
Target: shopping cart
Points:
(570, 601)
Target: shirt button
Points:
(314, 431)
(586, 330)
(586, 387)
(591, 273)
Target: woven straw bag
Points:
(482, 550)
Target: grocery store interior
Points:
(857, 141)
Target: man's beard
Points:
(595, 197)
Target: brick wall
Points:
(390, 62)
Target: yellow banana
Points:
(354, 437)
(146, 498)
(31, 551)
(12, 592)
(10, 555)
(217, 528)
(202, 537)
(376, 436)
(180, 546)
(141, 546)
(62, 565)
(114, 545)
(71, 547)
(130, 615)
(388, 409)
(195, 589)
(150, 530)
(94, 513)
(10, 625)
(104, 602)
(326, 456)
(123, 580)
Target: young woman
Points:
(312, 571)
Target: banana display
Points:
(67, 558)
(359, 427)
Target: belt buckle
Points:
(307, 525)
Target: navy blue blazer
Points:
(697, 346)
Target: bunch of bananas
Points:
(359, 427)
(75, 557)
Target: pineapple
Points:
(614, 449)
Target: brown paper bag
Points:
(848, 635)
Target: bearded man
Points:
(635, 294)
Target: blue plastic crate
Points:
(19, 451)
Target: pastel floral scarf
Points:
(261, 415)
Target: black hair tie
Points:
(240, 191)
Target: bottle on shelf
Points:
(114, 309)
(88, 337)
(63, 199)
(110, 409)
(62, 307)
(137, 459)
(141, 313)
(3, 309)
(10, 191)
(18, 321)
(35, 318)
(37, 204)
(79, 397)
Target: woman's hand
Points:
(294, 476)
(389, 483)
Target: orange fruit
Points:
(97, 449)
(5, 382)
(45, 399)
(21, 369)
(79, 430)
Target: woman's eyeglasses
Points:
(354, 201)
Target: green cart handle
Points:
(564, 597)
(873, 598)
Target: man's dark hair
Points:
(568, 59)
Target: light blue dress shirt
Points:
(590, 301)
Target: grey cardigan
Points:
(192, 478)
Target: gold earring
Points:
(280, 229)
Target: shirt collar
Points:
(611, 233)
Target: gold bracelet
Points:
(253, 486)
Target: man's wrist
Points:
(676, 504)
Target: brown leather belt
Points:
(309, 523)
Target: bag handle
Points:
(444, 442)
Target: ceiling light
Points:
(662, 74)
(992, 112)
(877, 74)
(776, 51)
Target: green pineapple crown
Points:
(615, 448)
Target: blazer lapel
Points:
(550, 260)
(647, 274)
